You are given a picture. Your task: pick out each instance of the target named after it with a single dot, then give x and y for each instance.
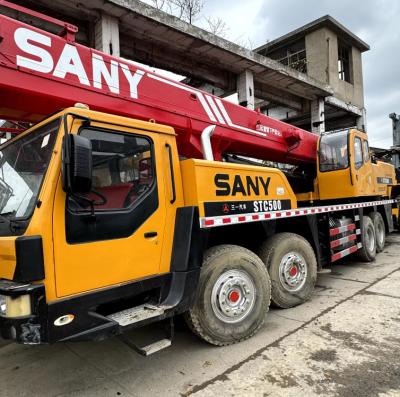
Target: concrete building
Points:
(304, 96)
(329, 53)
(396, 139)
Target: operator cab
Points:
(345, 168)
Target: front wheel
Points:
(233, 296)
(292, 267)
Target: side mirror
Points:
(77, 164)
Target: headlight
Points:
(3, 305)
(15, 307)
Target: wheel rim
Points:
(380, 234)
(233, 296)
(370, 239)
(293, 271)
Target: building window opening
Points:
(344, 62)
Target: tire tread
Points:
(193, 319)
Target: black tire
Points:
(299, 256)
(368, 251)
(208, 318)
(380, 230)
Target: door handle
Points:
(171, 169)
(150, 234)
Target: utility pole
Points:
(396, 138)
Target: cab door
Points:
(119, 238)
(362, 172)
(334, 175)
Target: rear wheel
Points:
(380, 231)
(233, 296)
(367, 252)
(292, 267)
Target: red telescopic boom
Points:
(41, 73)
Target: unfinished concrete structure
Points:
(329, 53)
(136, 31)
(396, 139)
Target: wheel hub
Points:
(380, 233)
(293, 271)
(233, 296)
(370, 239)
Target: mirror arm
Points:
(91, 202)
(87, 200)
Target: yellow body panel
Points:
(385, 177)
(7, 257)
(41, 222)
(199, 184)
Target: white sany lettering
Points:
(133, 79)
(100, 70)
(23, 39)
(104, 70)
(70, 62)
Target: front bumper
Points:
(27, 329)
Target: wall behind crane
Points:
(322, 64)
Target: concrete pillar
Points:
(318, 116)
(106, 35)
(245, 89)
(396, 137)
(362, 121)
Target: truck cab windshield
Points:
(333, 152)
(23, 164)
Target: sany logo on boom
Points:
(70, 62)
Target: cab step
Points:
(135, 342)
(137, 314)
(155, 347)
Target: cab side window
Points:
(124, 188)
(366, 151)
(122, 169)
(358, 155)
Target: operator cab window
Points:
(333, 154)
(358, 153)
(366, 151)
(122, 169)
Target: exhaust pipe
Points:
(206, 142)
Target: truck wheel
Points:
(368, 251)
(380, 230)
(233, 296)
(292, 267)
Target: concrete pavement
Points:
(344, 342)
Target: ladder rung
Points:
(340, 241)
(347, 251)
(342, 229)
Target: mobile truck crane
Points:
(133, 208)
